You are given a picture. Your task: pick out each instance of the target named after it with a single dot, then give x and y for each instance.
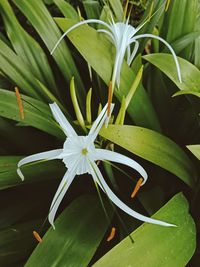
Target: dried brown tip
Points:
(112, 234)
(137, 187)
(20, 103)
(37, 236)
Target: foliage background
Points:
(28, 33)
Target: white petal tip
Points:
(167, 224)
(20, 174)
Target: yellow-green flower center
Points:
(84, 151)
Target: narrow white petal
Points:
(122, 205)
(103, 154)
(135, 49)
(48, 155)
(169, 47)
(77, 25)
(94, 176)
(108, 33)
(98, 123)
(62, 120)
(61, 191)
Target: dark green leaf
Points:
(156, 245)
(153, 147)
(79, 231)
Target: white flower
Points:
(122, 35)
(79, 156)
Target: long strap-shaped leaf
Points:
(26, 47)
(153, 147)
(40, 18)
(157, 246)
(79, 231)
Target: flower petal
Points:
(77, 25)
(48, 155)
(169, 47)
(61, 119)
(103, 154)
(61, 191)
(108, 33)
(130, 59)
(98, 123)
(121, 204)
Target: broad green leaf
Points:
(37, 114)
(27, 48)
(189, 73)
(40, 18)
(100, 53)
(33, 173)
(79, 231)
(156, 245)
(153, 147)
(195, 149)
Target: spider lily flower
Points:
(80, 155)
(122, 35)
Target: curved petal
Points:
(122, 205)
(48, 155)
(130, 59)
(169, 47)
(77, 25)
(98, 123)
(103, 154)
(61, 119)
(108, 33)
(61, 191)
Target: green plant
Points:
(152, 127)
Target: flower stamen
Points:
(20, 103)
(112, 234)
(109, 97)
(37, 236)
(137, 187)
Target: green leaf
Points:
(16, 242)
(40, 18)
(14, 68)
(36, 113)
(185, 23)
(117, 9)
(157, 246)
(99, 52)
(67, 10)
(184, 41)
(189, 73)
(78, 233)
(153, 147)
(92, 9)
(187, 92)
(195, 149)
(27, 48)
(33, 173)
